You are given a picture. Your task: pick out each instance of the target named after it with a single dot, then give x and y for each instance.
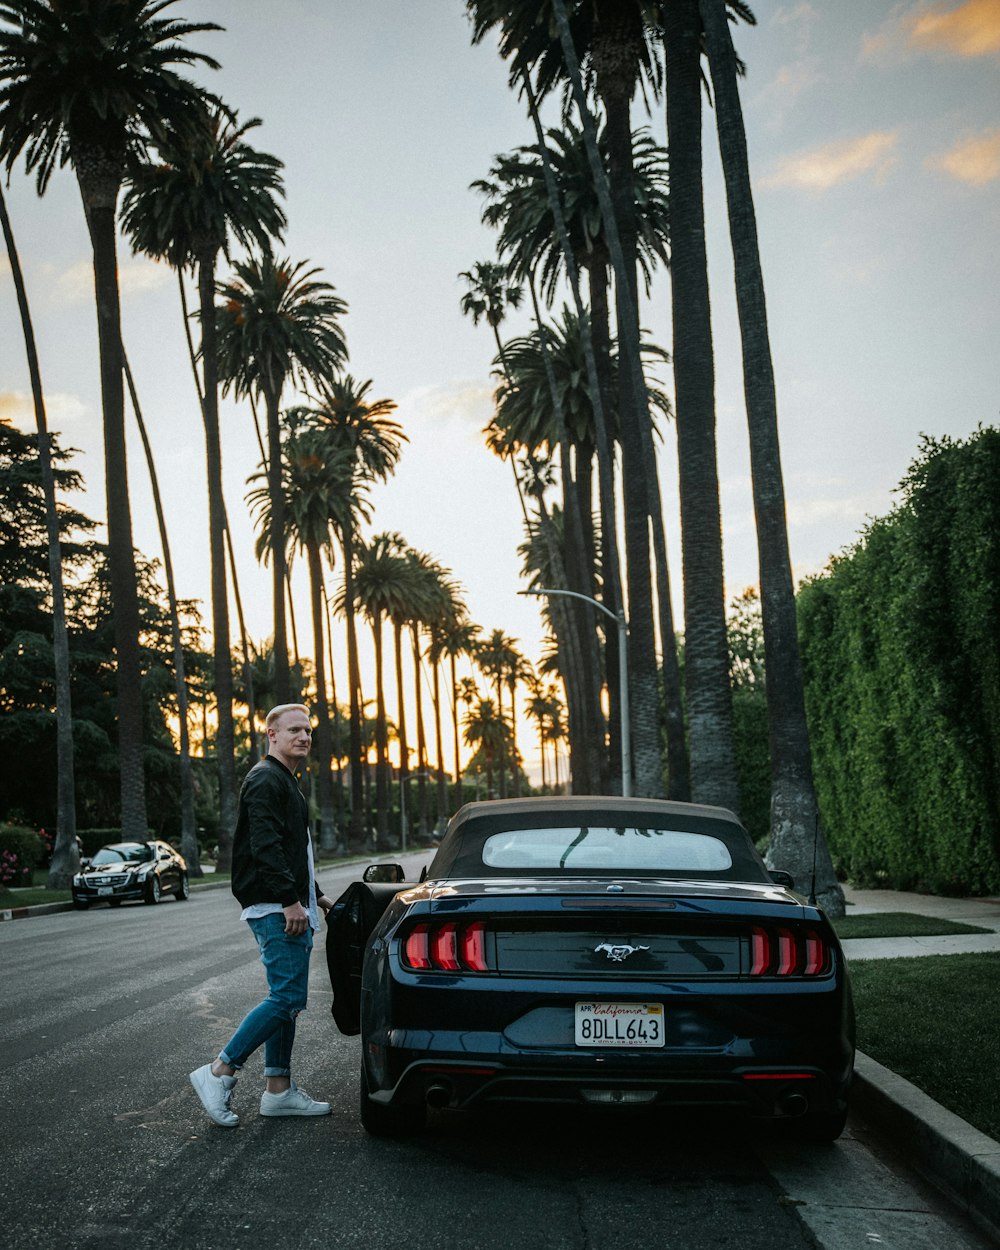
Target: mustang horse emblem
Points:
(618, 952)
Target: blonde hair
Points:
(276, 713)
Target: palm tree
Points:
(495, 657)
(487, 732)
(795, 838)
(545, 202)
(709, 700)
(490, 293)
(184, 208)
(364, 429)
(277, 323)
(458, 636)
(384, 587)
(189, 830)
(65, 855)
(90, 83)
(316, 483)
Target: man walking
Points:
(274, 880)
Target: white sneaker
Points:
(293, 1101)
(215, 1093)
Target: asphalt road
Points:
(104, 1144)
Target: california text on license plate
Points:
(619, 1024)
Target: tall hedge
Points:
(901, 653)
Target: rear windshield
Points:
(601, 847)
(593, 843)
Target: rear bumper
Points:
(769, 1053)
(758, 1092)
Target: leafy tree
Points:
(88, 83)
(65, 855)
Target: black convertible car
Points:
(607, 951)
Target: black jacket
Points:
(271, 842)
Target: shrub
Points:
(21, 851)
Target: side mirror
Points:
(84, 862)
(384, 872)
(782, 878)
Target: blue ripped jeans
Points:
(272, 1022)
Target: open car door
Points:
(350, 922)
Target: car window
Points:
(134, 852)
(623, 849)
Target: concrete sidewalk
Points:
(983, 912)
(949, 1152)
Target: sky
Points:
(873, 129)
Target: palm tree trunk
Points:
(282, 677)
(381, 745)
(225, 744)
(65, 854)
(644, 701)
(442, 782)
(454, 727)
(404, 748)
(605, 459)
(357, 830)
(706, 656)
(100, 214)
(244, 644)
(324, 750)
(421, 735)
(796, 843)
(189, 828)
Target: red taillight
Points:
(417, 948)
(446, 947)
(761, 952)
(473, 946)
(815, 954)
(786, 952)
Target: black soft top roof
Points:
(460, 852)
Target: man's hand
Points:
(296, 919)
(325, 903)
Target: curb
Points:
(957, 1158)
(49, 909)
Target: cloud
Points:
(461, 407)
(61, 409)
(818, 169)
(970, 29)
(136, 276)
(975, 160)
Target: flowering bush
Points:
(10, 870)
(21, 850)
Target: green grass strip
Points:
(890, 924)
(935, 1020)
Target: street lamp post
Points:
(626, 724)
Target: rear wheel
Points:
(384, 1121)
(152, 894)
(183, 890)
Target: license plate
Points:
(619, 1024)
(105, 889)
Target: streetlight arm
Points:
(574, 594)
